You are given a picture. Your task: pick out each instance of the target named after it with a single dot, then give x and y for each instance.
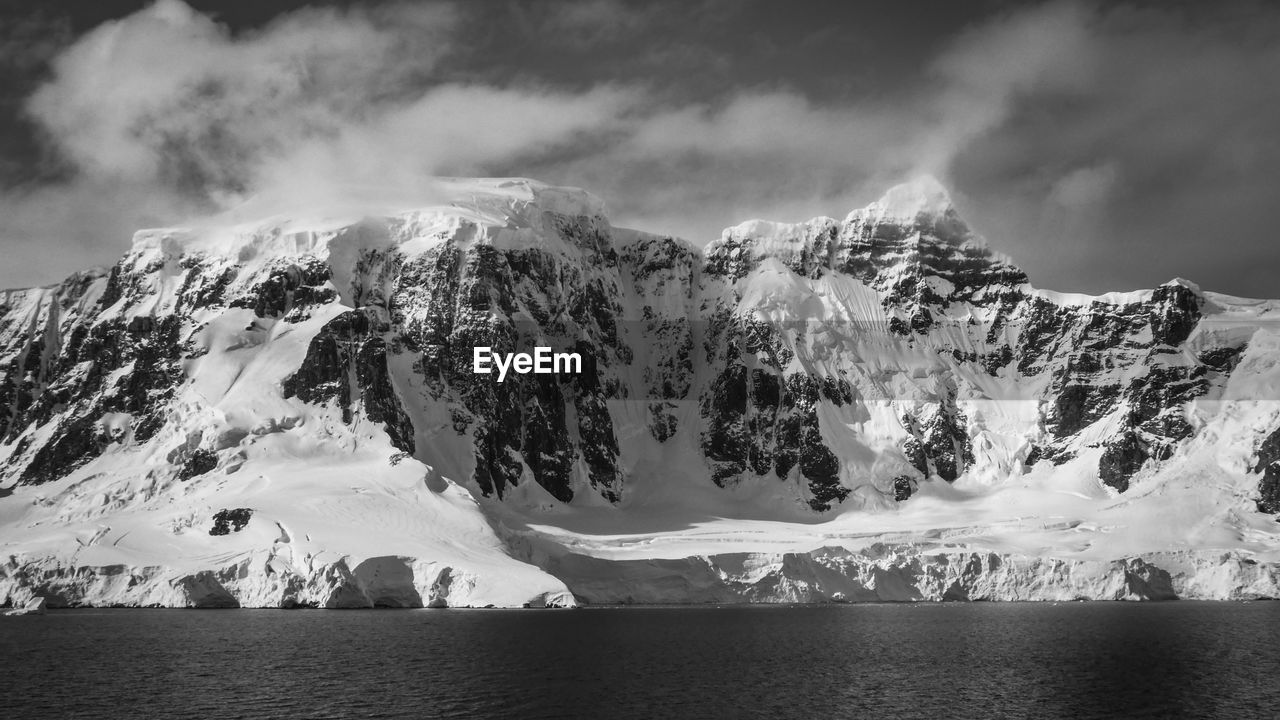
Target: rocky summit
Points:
(284, 413)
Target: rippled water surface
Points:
(1089, 660)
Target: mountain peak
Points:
(1183, 282)
(920, 195)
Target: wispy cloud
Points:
(166, 113)
(169, 94)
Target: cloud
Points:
(169, 94)
(165, 114)
(590, 23)
(1033, 116)
(26, 43)
(988, 68)
(320, 99)
(1151, 158)
(1086, 187)
(450, 130)
(693, 169)
(169, 105)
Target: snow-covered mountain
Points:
(284, 413)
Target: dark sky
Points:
(1102, 146)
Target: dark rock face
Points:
(1120, 358)
(762, 420)
(428, 312)
(1123, 457)
(200, 462)
(347, 361)
(903, 488)
(1221, 359)
(725, 441)
(512, 300)
(1173, 313)
(1269, 491)
(226, 522)
(101, 357)
(1269, 465)
(1154, 423)
(290, 287)
(69, 369)
(939, 444)
(653, 268)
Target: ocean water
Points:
(1077, 660)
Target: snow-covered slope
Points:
(283, 412)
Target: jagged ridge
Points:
(850, 363)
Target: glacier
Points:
(279, 410)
